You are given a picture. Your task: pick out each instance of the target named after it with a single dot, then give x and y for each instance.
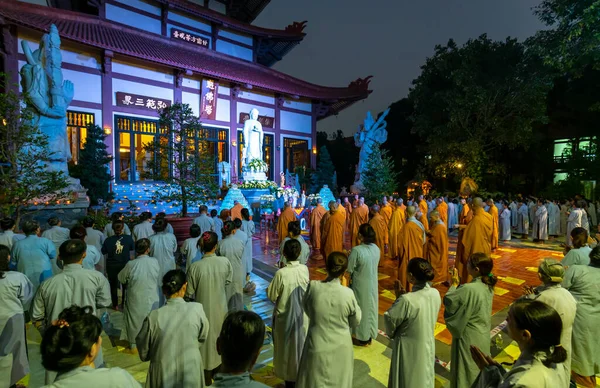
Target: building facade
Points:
(129, 58)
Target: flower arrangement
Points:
(266, 201)
(257, 165)
(255, 185)
(286, 192)
(312, 199)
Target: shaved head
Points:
(399, 201)
(319, 201)
(361, 201)
(434, 215)
(332, 205)
(411, 211)
(375, 208)
(478, 203)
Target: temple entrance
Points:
(295, 154)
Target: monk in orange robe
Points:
(315, 225)
(464, 218)
(442, 208)
(359, 216)
(386, 212)
(423, 209)
(348, 208)
(412, 244)
(437, 247)
(343, 210)
(381, 231)
(392, 202)
(395, 229)
(493, 211)
(333, 230)
(236, 210)
(477, 237)
(287, 215)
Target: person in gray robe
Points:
(16, 291)
(171, 338)
(505, 228)
(34, 256)
(410, 323)
(362, 267)
(241, 330)
(75, 363)
(575, 220)
(163, 246)
(583, 282)
(295, 233)
(73, 286)
(290, 323)
(205, 223)
(233, 249)
(523, 221)
(249, 228)
(468, 315)
(513, 214)
(189, 248)
(553, 218)
(208, 282)
(579, 253)
(141, 277)
(247, 254)
(8, 236)
(540, 223)
(536, 328)
(144, 228)
(93, 236)
(218, 223)
(57, 234)
(328, 355)
(108, 229)
(92, 256)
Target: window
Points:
(267, 152)
(295, 154)
(133, 159)
(77, 123)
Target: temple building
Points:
(129, 58)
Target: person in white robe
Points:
(16, 291)
(144, 228)
(574, 220)
(452, 214)
(536, 327)
(189, 248)
(523, 220)
(551, 272)
(505, 227)
(328, 355)
(583, 282)
(163, 215)
(93, 236)
(249, 228)
(108, 229)
(540, 224)
(163, 246)
(171, 338)
(57, 234)
(410, 324)
(532, 207)
(8, 236)
(75, 364)
(233, 249)
(92, 255)
(585, 219)
(34, 256)
(553, 218)
(218, 223)
(290, 323)
(564, 215)
(246, 255)
(241, 330)
(468, 315)
(580, 253)
(206, 223)
(593, 214)
(364, 282)
(514, 217)
(208, 282)
(141, 276)
(294, 233)
(73, 286)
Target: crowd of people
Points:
(187, 317)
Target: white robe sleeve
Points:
(395, 316)
(455, 314)
(142, 341)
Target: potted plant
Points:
(183, 163)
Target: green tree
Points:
(380, 177)
(27, 184)
(323, 175)
(573, 41)
(474, 102)
(191, 180)
(92, 169)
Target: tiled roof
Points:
(247, 10)
(132, 42)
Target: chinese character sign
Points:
(141, 102)
(208, 103)
(189, 38)
(265, 121)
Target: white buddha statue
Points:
(253, 139)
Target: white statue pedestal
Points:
(253, 176)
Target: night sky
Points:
(389, 39)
